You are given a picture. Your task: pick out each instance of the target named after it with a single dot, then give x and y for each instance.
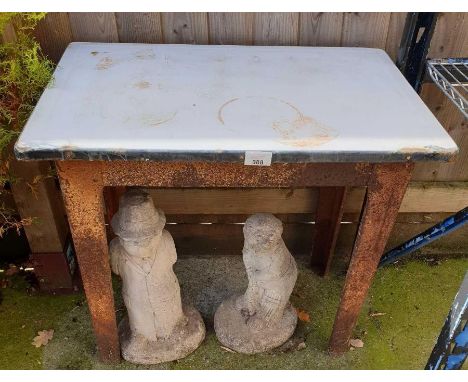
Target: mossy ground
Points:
(415, 297)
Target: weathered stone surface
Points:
(262, 318)
(158, 328)
(184, 339)
(234, 330)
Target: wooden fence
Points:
(436, 190)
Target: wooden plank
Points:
(93, 26)
(320, 28)
(455, 243)
(427, 197)
(435, 197)
(450, 36)
(9, 34)
(276, 28)
(228, 239)
(6, 200)
(234, 201)
(365, 29)
(185, 28)
(231, 28)
(455, 124)
(211, 239)
(54, 34)
(141, 27)
(327, 226)
(36, 195)
(240, 218)
(395, 32)
(302, 218)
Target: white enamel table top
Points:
(188, 102)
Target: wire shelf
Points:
(451, 76)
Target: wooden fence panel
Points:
(9, 34)
(395, 32)
(227, 239)
(37, 196)
(428, 197)
(231, 28)
(93, 26)
(276, 29)
(185, 28)
(54, 34)
(455, 124)
(142, 27)
(450, 37)
(320, 29)
(365, 29)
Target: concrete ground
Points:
(399, 324)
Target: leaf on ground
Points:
(356, 343)
(43, 337)
(303, 315)
(301, 346)
(376, 314)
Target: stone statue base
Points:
(185, 338)
(234, 331)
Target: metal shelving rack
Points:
(451, 76)
(451, 349)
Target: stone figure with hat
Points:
(262, 318)
(158, 327)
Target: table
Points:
(232, 116)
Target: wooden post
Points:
(36, 195)
(327, 226)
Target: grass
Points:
(414, 298)
(21, 316)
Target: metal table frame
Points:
(83, 185)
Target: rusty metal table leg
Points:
(327, 226)
(383, 199)
(82, 190)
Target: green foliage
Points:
(6, 136)
(24, 73)
(27, 20)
